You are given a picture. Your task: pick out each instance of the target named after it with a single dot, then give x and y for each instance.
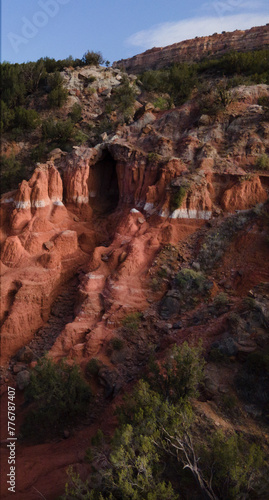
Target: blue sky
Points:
(118, 28)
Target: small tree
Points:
(180, 375)
(131, 322)
(231, 464)
(91, 58)
(26, 119)
(262, 162)
(58, 94)
(75, 113)
(59, 396)
(60, 131)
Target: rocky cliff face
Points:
(100, 206)
(197, 49)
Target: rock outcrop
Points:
(197, 49)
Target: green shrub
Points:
(264, 102)
(155, 284)
(98, 438)
(59, 397)
(117, 343)
(11, 173)
(57, 97)
(180, 375)
(26, 118)
(188, 280)
(104, 125)
(249, 304)
(262, 163)
(38, 153)
(75, 113)
(18, 118)
(7, 117)
(92, 368)
(161, 103)
(91, 58)
(177, 197)
(59, 131)
(208, 103)
(80, 138)
(232, 464)
(229, 401)
(178, 81)
(55, 80)
(131, 322)
(153, 157)
(221, 300)
(58, 94)
(122, 99)
(162, 272)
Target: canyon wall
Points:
(197, 49)
(112, 207)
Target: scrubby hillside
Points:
(134, 245)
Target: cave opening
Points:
(103, 185)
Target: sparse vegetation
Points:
(212, 99)
(131, 322)
(92, 368)
(75, 113)
(57, 131)
(153, 157)
(161, 103)
(177, 81)
(230, 70)
(217, 239)
(122, 100)
(177, 197)
(58, 94)
(154, 446)
(189, 280)
(262, 163)
(12, 172)
(117, 343)
(221, 300)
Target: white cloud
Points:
(169, 33)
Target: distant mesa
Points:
(196, 49)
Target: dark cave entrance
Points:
(103, 185)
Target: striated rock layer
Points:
(197, 49)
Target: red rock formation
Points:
(197, 49)
(244, 194)
(50, 224)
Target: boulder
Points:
(23, 379)
(110, 380)
(227, 346)
(169, 307)
(25, 355)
